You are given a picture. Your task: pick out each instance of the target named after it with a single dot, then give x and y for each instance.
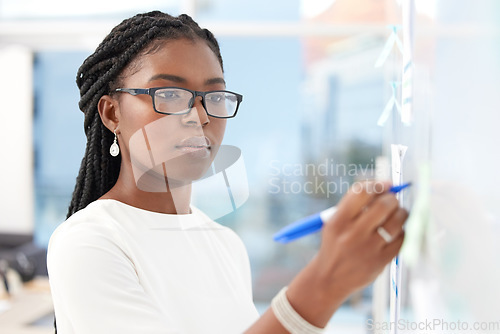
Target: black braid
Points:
(99, 75)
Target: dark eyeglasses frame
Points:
(151, 92)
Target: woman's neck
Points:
(164, 198)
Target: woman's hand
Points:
(351, 255)
(352, 252)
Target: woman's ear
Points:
(109, 112)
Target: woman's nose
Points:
(197, 115)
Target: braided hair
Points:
(100, 74)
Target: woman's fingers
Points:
(367, 226)
(392, 228)
(377, 212)
(383, 219)
(391, 249)
(359, 196)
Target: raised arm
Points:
(351, 256)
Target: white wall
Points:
(16, 140)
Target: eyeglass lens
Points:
(174, 100)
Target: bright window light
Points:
(312, 8)
(60, 8)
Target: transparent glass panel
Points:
(59, 139)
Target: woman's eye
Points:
(215, 98)
(168, 95)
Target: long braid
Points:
(100, 74)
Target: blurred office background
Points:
(307, 127)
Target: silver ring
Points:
(384, 234)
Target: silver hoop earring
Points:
(114, 150)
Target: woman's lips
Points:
(198, 147)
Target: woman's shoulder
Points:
(86, 240)
(93, 222)
(96, 213)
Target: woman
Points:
(133, 255)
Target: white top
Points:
(114, 268)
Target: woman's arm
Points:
(96, 288)
(351, 256)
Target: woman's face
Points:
(170, 149)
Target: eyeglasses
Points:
(179, 101)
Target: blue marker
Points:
(314, 222)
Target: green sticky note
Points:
(418, 221)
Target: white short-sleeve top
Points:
(114, 268)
